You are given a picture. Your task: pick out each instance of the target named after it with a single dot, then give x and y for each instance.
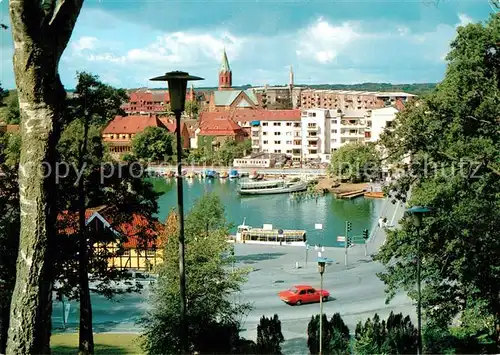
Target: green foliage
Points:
(397, 335)
(269, 336)
(192, 108)
(95, 101)
(224, 155)
(454, 138)
(9, 108)
(3, 94)
(336, 338)
(9, 228)
(355, 162)
(439, 340)
(154, 143)
(210, 286)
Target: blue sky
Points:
(127, 42)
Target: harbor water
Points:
(282, 211)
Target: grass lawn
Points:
(105, 343)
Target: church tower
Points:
(290, 80)
(225, 75)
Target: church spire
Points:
(290, 81)
(224, 66)
(225, 74)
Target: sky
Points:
(127, 42)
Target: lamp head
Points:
(177, 84)
(321, 265)
(417, 213)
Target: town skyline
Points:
(341, 43)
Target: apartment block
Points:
(278, 135)
(315, 134)
(350, 100)
(347, 127)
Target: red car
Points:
(303, 294)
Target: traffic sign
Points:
(280, 232)
(340, 238)
(358, 239)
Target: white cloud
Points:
(403, 31)
(84, 43)
(464, 20)
(323, 42)
(188, 48)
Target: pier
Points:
(350, 194)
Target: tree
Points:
(269, 336)
(209, 290)
(192, 108)
(40, 34)
(355, 162)
(3, 94)
(93, 105)
(453, 138)
(397, 335)
(335, 335)
(12, 103)
(231, 150)
(9, 227)
(154, 143)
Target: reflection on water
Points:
(280, 210)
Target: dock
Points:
(350, 194)
(374, 194)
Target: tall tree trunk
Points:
(86, 337)
(40, 37)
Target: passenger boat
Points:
(270, 187)
(248, 235)
(233, 174)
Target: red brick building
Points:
(144, 101)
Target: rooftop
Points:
(133, 124)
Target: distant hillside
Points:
(416, 89)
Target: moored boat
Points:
(224, 175)
(270, 187)
(249, 235)
(210, 174)
(254, 175)
(233, 174)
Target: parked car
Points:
(300, 294)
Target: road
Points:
(356, 291)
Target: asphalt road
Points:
(356, 291)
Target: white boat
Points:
(271, 187)
(248, 235)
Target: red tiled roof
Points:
(246, 115)
(132, 124)
(218, 124)
(138, 227)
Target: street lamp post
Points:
(417, 214)
(177, 84)
(321, 269)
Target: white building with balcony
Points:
(348, 126)
(278, 132)
(380, 119)
(316, 134)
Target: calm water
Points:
(279, 210)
